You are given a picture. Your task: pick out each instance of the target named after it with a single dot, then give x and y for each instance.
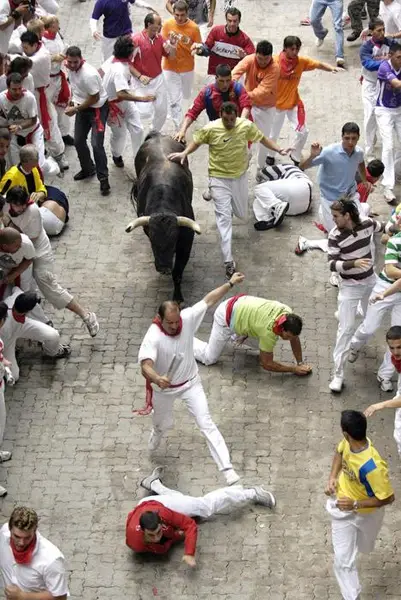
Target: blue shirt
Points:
(370, 53)
(337, 171)
(116, 20)
(388, 97)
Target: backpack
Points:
(211, 112)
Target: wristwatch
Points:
(230, 284)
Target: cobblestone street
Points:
(78, 450)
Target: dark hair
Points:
(14, 78)
(150, 19)
(223, 70)
(17, 195)
(351, 127)
(3, 310)
(161, 311)
(229, 108)
(29, 37)
(396, 47)
(375, 167)
(123, 47)
(149, 520)
(346, 205)
(180, 5)
(73, 51)
(354, 423)
(234, 12)
(394, 333)
(292, 40)
(265, 48)
(375, 22)
(26, 302)
(20, 64)
(4, 134)
(292, 324)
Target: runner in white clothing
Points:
(167, 361)
(9, 19)
(123, 113)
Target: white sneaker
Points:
(353, 355)
(147, 481)
(231, 476)
(5, 455)
(92, 324)
(278, 212)
(389, 195)
(319, 42)
(334, 279)
(207, 195)
(154, 440)
(3, 491)
(264, 497)
(336, 315)
(336, 384)
(385, 384)
(302, 245)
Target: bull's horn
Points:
(140, 221)
(186, 222)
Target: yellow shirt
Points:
(364, 475)
(287, 89)
(188, 34)
(228, 148)
(15, 176)
(255, 317)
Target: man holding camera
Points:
(10, 17)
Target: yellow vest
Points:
(15, 176)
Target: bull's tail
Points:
(152, 133)
(134, 195)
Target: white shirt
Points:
(87, 82)
(46, 571)
(41, 67)
(31, 224)
(14, 45)
(391, 15)
(26, 252)
(56, 46)
(17, 110)
(117, 77)
(5, 35)
(174, 355)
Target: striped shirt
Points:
(283, 172)
(392, 256)
(393, 220)
(345, 246)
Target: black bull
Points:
(162, 195)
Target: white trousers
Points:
(48, 167)
(369, 98)
(397, 419)
(63, 121)
(326, 218)
(51, 224)
(372, 322)
(107, 47)
(297, 192)
(30, 330)
(3, 412)
(209, 352)
(216, 502)
(263, 118)
(55, 144)
(179, 88)
(389, 122)
(301, 135)
(156, 110)
(349, 297)
(43, 272)
(193, 395)
(129, 121)
(351, 533)
(229, 196)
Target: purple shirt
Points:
(116, 16)
(388, 97)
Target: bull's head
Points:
(163, 233)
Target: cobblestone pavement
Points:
(78, 452)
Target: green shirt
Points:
(228, 148)
(392, 256)
(255, 317)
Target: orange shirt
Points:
(188, 34)
(261, 84)
(287, 90)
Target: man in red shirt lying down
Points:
(160, 521)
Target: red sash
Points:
(44, 111)
(115, 113)
(98, 121)
(65, 92)
(49, 35)
(230, 307)
(397, 363)
(301, 115)
(29, 137)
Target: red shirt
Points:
(149, 53)
(223, 47)
(362, 189)
(172, 523)
(216, 99)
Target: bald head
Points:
(169, 313)
(9, 236)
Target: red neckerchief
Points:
(278, 324)
(287, 65)
(23, 557)
(75, 70)
(8, 96)
(157, 321)
(49, 35)
(396, 362)
(17, 316)
(121, 60)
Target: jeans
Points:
(317, 11)
(84, 122)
